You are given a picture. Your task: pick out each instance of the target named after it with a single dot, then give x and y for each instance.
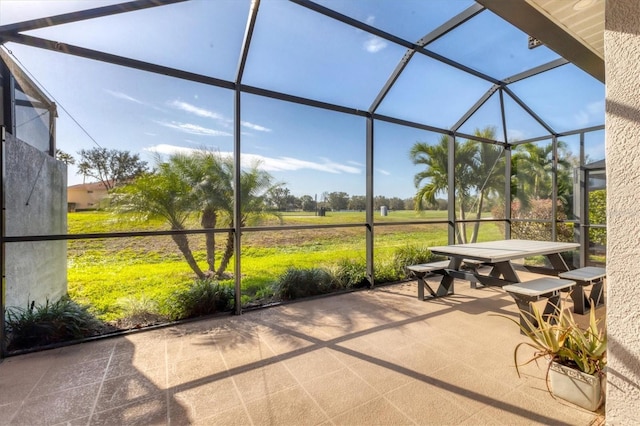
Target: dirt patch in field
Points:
(165, 246)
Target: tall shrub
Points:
(598, 215)
(538, 209)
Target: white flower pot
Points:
(581, 389)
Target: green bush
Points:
(385, 271)
(138, 312)
(531, 213)
(411, 255)
(297, 283)
(204, 297)
(351, 273)
(598, 215)
(40, 325)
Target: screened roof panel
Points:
(488, 44)
(203, 37)
(394, 170)
(566, 97)
(297, 51)
(433, 93)
(594, 146)
(128, 109)
(488, 115)
(407, 19)
(311, 150)
(13, 11)
(520, 124)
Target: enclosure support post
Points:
(554, 192)
(581, 229)
(3, 286)
(507, 191)
(237, 148)
(369, 210)
(451, 182)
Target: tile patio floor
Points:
(379, 357)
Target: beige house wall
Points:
(622, 124)
(86, 197)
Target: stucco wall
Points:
(85, 198)
(622, 47)
(36, 204)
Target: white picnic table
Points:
(499, 255)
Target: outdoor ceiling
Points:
(583, 19)
(562, 25)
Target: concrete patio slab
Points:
(370, 357)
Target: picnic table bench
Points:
(525, 293)
(589, 275)
(441, 267)
(422, 270)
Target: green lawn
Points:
(104, 272)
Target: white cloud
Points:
(374, 44)
(515, 135)
(193, 129)
(124, 96)
(170, 149)
(254, 126)
(592, 113)
(596, 107)
(581, 118)
(205, 113)
(128, 98)
(383, 172)
(271, 164)
(200, 112)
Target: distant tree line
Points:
(281, 199)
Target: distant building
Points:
(86, 196)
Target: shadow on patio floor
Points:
(370, 357)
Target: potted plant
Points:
(576, 355)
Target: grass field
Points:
(106, 272)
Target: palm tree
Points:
(210, 180)
(435, 160)
(473, 161)
(533, 171)
(255, 185)
(488, 164)
(198, 184)
(65, 157)
(166, 194)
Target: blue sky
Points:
(297, 52)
